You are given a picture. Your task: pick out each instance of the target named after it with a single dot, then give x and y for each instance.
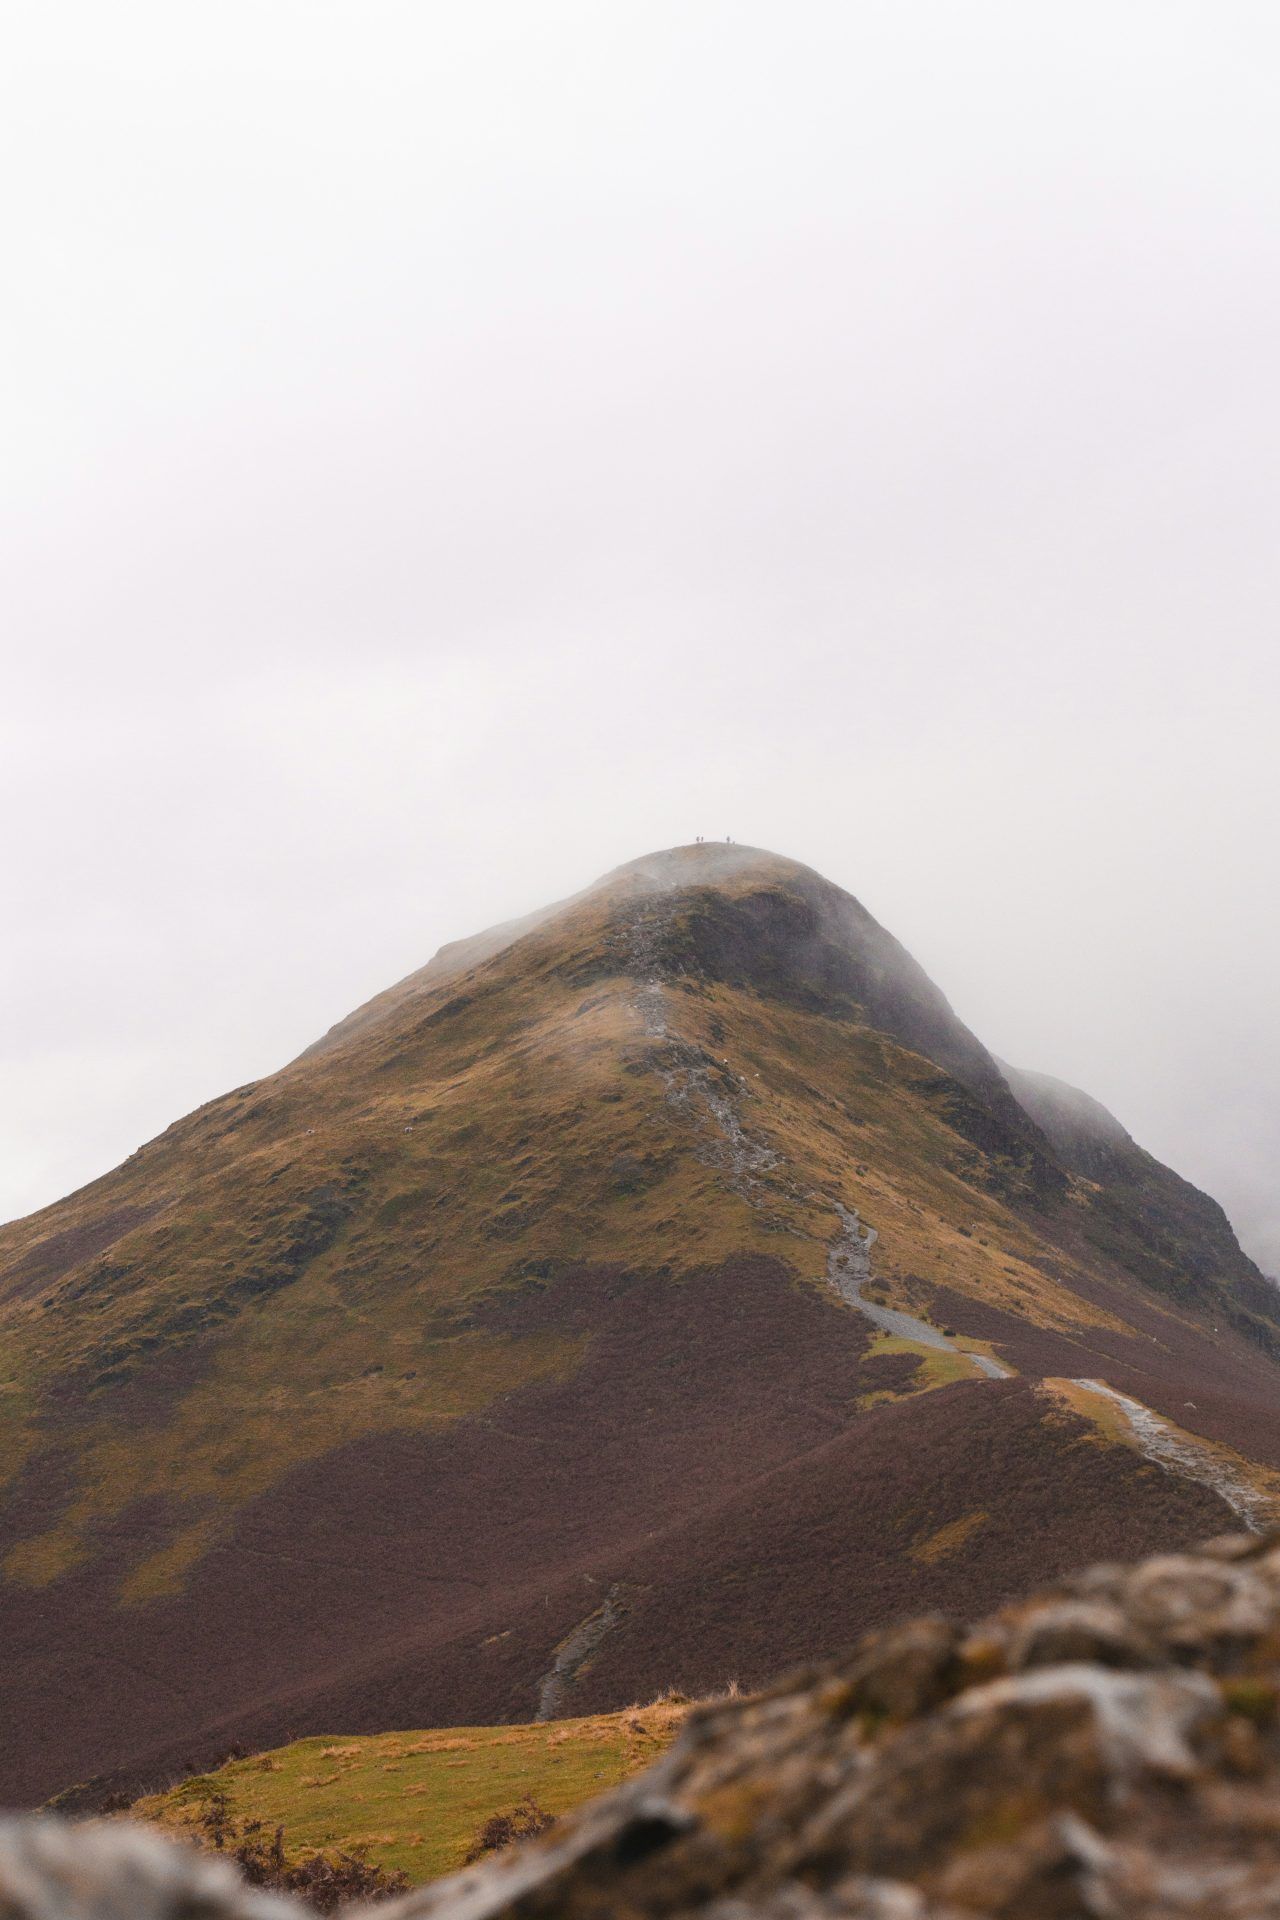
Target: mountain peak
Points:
(720, 868)
(706, 863)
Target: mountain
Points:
(655, 1291)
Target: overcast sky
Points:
(450, 449)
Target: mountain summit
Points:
(657, 1290)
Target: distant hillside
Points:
(656, 1291)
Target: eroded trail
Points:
(574, 1653)
(1161, 1443)
(702, 1090)
(849, 1269)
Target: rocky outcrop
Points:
(1108, 1749)
(53, 1869)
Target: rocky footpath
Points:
(1108, 1750)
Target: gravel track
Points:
(1180, 1453)
(849, 1269)
(573, 1653)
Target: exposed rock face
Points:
(1107, 1751)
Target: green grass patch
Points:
(936, 1368)
(417, 1801)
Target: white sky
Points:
(450, 449)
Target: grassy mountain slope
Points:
(354, 1396)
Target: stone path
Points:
(1160, 1442)
(849, 1269)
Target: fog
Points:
(452, 449)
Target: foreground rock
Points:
(1108, 1750)
(52, 1869)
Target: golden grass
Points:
(903, 1174)
(936, 1369)
(416, 1801)
(230, 1440)
(1104, 1416)
(948, 1539)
